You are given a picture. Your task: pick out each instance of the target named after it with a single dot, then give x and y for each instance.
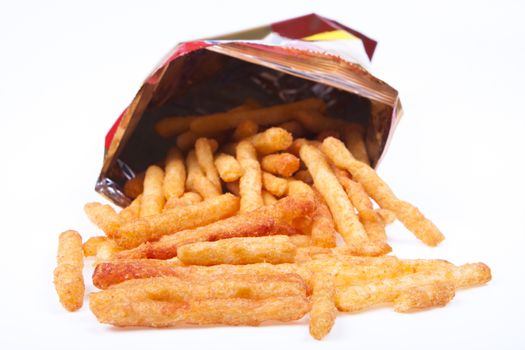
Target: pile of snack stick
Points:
(257, 214)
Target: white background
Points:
(67, 71)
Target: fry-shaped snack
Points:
(186, 140)
(293, 127)
(104, 216)
(188, 198)
(175, 177)
(273, 115)
(197, 181)
(272, 140)
(354, 137)
(153, 197)
(132, 211)
(301, 241)
(273, 184)
(323, 229)
(91, 246)
(424, 296)
(323, 312)
(106, 251)
(297, 186)
(134, 187)
(228, 167)
(314, 121)
(250, 183)
(275, 219)
(68, 279)
(368, 249)
(171, 126)
(117, 271)
(238, 251)
(245, 129)
(304, 175)
(153, 227)
(346, 221)
(409, 215)
(204, 153)
(268, 198)
(282, 164)
(356, 298)
(372, 222)
(388, 216)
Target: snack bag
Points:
(297, 61)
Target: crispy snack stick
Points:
(297, 187)
(372, 222)
(106, 251)
(372, 249)
(304, 175)
(264, 116)
(132, 211)
(409, 215)
(104, 216)
(126, 311)
(346, 221)
(91, 246)
(323, 228)
(239, 251)
(275, 185)
(293, 127)
(134, 187)
(323, 312)
(301, 241)
(114, 272)
(171, 126)
(153, 197)
(204, 153)
(425, 296)
(153, 227)
(68, 279)
(175, 177)
(228, 167)
(250, 183)
(388, 216)
(245, 129)
(282, 164)
(197, 181)
(272, 140)
(188, 198)
(186, 140)
(356, 298)
(315, 122)
(355, 142)
(268, 198)
(274, 219)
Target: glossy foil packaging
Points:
(288, 61)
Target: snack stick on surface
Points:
(324, 311)
(233, 311)
(134, 186)
(409, 215)
(155, 226)
(275, 185)
(355, 142)
(91, 246)
(282, 164)
(188, 198)
(238, 251)
(271, 140)
(264, 116)
(132, 211)
(153, 197)
(104, 216)
(228, 167)
(204, 153)
(250, 183)
(274, 219)
(372, 222)
(268, 198)
(68, 279)
(175, 177)
(323, 229)
(197, 181)
(245, 129)
(388, 216)
(345, 219)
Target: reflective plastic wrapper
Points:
(309, 56)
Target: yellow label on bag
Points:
(333, 35)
